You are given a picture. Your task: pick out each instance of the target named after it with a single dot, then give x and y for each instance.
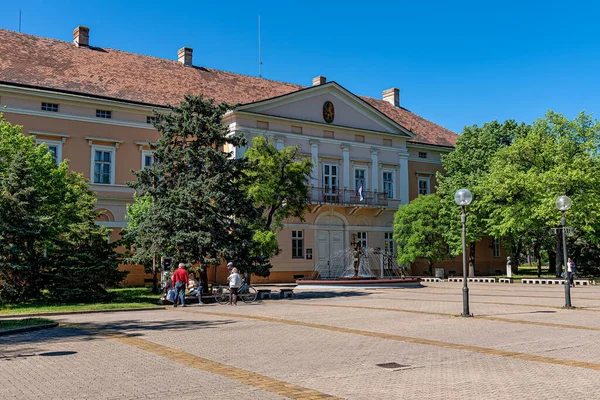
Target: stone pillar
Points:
(314, 156)
(279, 142)
(403, 177)
(375, 170)
(346, 165)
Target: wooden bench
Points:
(286, 293)
(262, 294)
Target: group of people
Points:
(181, 281)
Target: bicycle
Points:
(246, 293)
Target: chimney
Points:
(81, 36)
(392, 96)
(319, 80)
(184, 56)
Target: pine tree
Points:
(199, 213)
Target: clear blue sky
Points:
(456, 63)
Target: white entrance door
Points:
(331, 253)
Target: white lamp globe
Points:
(563, 203)
(463, 197)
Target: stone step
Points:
(430, 279)
(581, 282)
(475, 279)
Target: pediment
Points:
(349, 111)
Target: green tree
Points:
(199, 213)
(276, 181)
(140, 237)
(557, 156)
(466, 167)
(49, 239)
(419, 231)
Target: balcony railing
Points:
(348, 197)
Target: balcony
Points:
(347, 197)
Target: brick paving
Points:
(323, 343)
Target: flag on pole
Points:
(360, 192)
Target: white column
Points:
(314, 155)
(403, 178)
(374, 170)
(346, 165)
(279, 142)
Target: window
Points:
(103, 170)
(103, 114)
(361, 238)
(297, 129)
(147, 158)
(330, 182)
(50, 107)
(422, 154)
(150, 120)
(496, 246)
(262, 125)
(387, 142)
(388, 243)
(328, 134)
(423, 185)
(359, 138)
(359, 178)
(297, 244)
(54, 147)
(388, 184)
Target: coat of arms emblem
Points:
(328, 112)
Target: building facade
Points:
(93, 107)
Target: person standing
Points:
(179, 280)
(235, 282)
(571, 268)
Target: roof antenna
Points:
(19, 20)
(259, 61)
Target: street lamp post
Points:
(463, 198)
(563, 203)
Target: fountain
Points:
(357, 266)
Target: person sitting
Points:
(167, 289)
(194, 287)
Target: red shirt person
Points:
(179, 281)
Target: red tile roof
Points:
(57, 65)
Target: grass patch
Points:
(133, 297)
(22, 323)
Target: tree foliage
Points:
(419, 231)
(200, 205)
(276, 181)
(139, 236)
(466, 167)
(557, 156)
(198, 211)
(49, 240)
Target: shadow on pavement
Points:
(323, 294)
(96, 330)
(519, 313)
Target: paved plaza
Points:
(351, 344)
